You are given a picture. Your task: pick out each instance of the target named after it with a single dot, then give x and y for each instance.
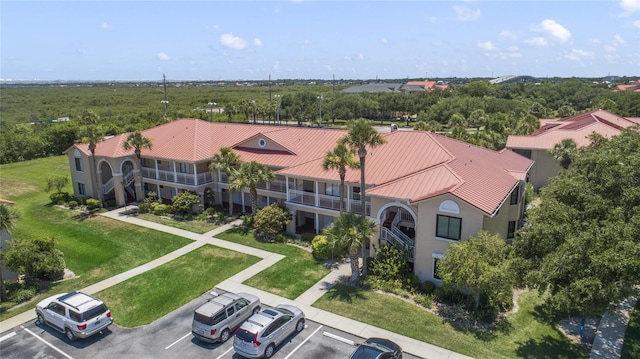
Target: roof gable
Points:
(266, 142)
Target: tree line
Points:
(494, 111)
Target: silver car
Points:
(260, 335)
(76, 314)
(217, 318)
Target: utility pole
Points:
(165, 102)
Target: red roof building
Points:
(578, 128)
(425, 190)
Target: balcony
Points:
(324, 201)
(274, 186)
(177, 177)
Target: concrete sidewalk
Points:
(610, 335)
(234, 284)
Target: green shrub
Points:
(423, 300)
(92, 203)
(22, 295)
(59, 197)
(449, 294)
(391, 263)
(161, 209)
(428, 287)
(271, 220)
(185, 202)
(110, 203)
(247, 221)
(322, 249)
(308, 237)
(73, 204)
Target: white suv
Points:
(75, 314)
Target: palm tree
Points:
(226, 160)
(137, 141)
(92, 136)
(360, 136)
(564, 151)
(251, 175)
(350, 231)
(8, 217)
(339, 159)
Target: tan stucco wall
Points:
(543, 169)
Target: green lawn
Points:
(94, 247)
(153, 294)
(289, 277)
(521, 336)
(195, 226)
(631, 348)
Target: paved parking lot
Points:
(168, 337)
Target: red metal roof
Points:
(412, 165)
(577, 127)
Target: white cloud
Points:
(508, 35)
(636, 24)
(163, 56)
(384, 40)
(81, 51)
(276, 66)
(257, 42)
(487, 46)
(306, 42)
(105, 26)
(464, 13)
(553, 29)
(577, 55)
(536, 42)
(233, 42)
(630, 6)
(618, 40)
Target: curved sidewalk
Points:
(234, 284)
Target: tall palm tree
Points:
(137, 141)
(339, 159)
(564, 151)
(8, 218)
(226, 160)
(251, 175)
(360, 136)
(350, 231)
(92, 135)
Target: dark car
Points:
(377, 348)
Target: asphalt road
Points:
(167, 337)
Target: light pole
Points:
(211, 104)
(278, 110)
(320, 98)
(253, 109)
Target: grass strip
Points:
(155, 293)
(522, 335)
(289, 277)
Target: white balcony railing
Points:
(302, 197)
(177, 177)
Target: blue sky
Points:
(252, 40)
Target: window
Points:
(356, 193)
(332, 189)
(448, 227)
(82, 189)
(230, 311)
(183, 168)
(262, 142)
(78, 164)
(242, 303)
(515, 196)
(435, 269)
(512, 229)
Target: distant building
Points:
(577, 128)
(408, 88)
(513, 79)
(633, 87)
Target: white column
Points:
(195, 174)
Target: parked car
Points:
(377, 348)
(260, 335)
(76, 314)
(215, 320)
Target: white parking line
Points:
(47, 343)
(339, 338)
(304, 341)
(225, 353)
(176, 342)
(7, 336)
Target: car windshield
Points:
(245, 335)
(366, 352)
(94, 312)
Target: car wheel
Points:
(40, 319)
(300, 325)
(69, 334)
(224, 336)
(268, 353)
(256, 310)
